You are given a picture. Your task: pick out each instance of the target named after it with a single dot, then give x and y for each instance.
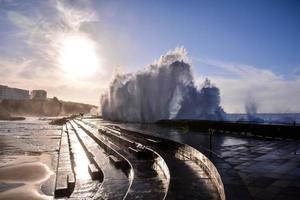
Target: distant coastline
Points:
(10, 118)
(11, 109)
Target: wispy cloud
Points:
(31, 56)
(273, 92)
(73, 17)
(242, 71)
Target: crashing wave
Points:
(164, 90)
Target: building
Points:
(38, 94)
(13, 93)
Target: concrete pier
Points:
(205, 188)
(144, 177)
(125, 164)
(65, 179)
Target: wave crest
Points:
(164, 90)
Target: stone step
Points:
(117, 162)
(94, 167)
(116, 183)
(65, 179)
(94, 172)
(61, 188)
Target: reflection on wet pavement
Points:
(145, 180)
(183, 172)
(84, 187)
(249, 167)
(115, 183)
(268, 168)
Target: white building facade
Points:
(13, 93)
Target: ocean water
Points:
(273, 118)
(29, 142)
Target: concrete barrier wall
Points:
(161, 167)
(264, 130)
(201, 160)
(183, 151)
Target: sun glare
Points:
(78, 56)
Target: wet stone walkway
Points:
(250, 168)
(132, 170)
(114, 184)
(267, 168)
(146, 183)
(270, 169)
(187, 180)
(85, 187)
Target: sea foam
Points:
(166, 89)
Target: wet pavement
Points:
(114, 184)
(250, 168)
(85, 187)
(268, 169)
(146, 184)
(187, 180)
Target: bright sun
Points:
(78, 56)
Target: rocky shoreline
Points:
(40, 108)
(8, 117)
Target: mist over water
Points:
(164, 90)
(251, 110)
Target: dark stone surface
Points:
(188, 181)
(251, 159)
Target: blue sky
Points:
(261, 33)
(247, 48)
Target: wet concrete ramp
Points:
(122, 164)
